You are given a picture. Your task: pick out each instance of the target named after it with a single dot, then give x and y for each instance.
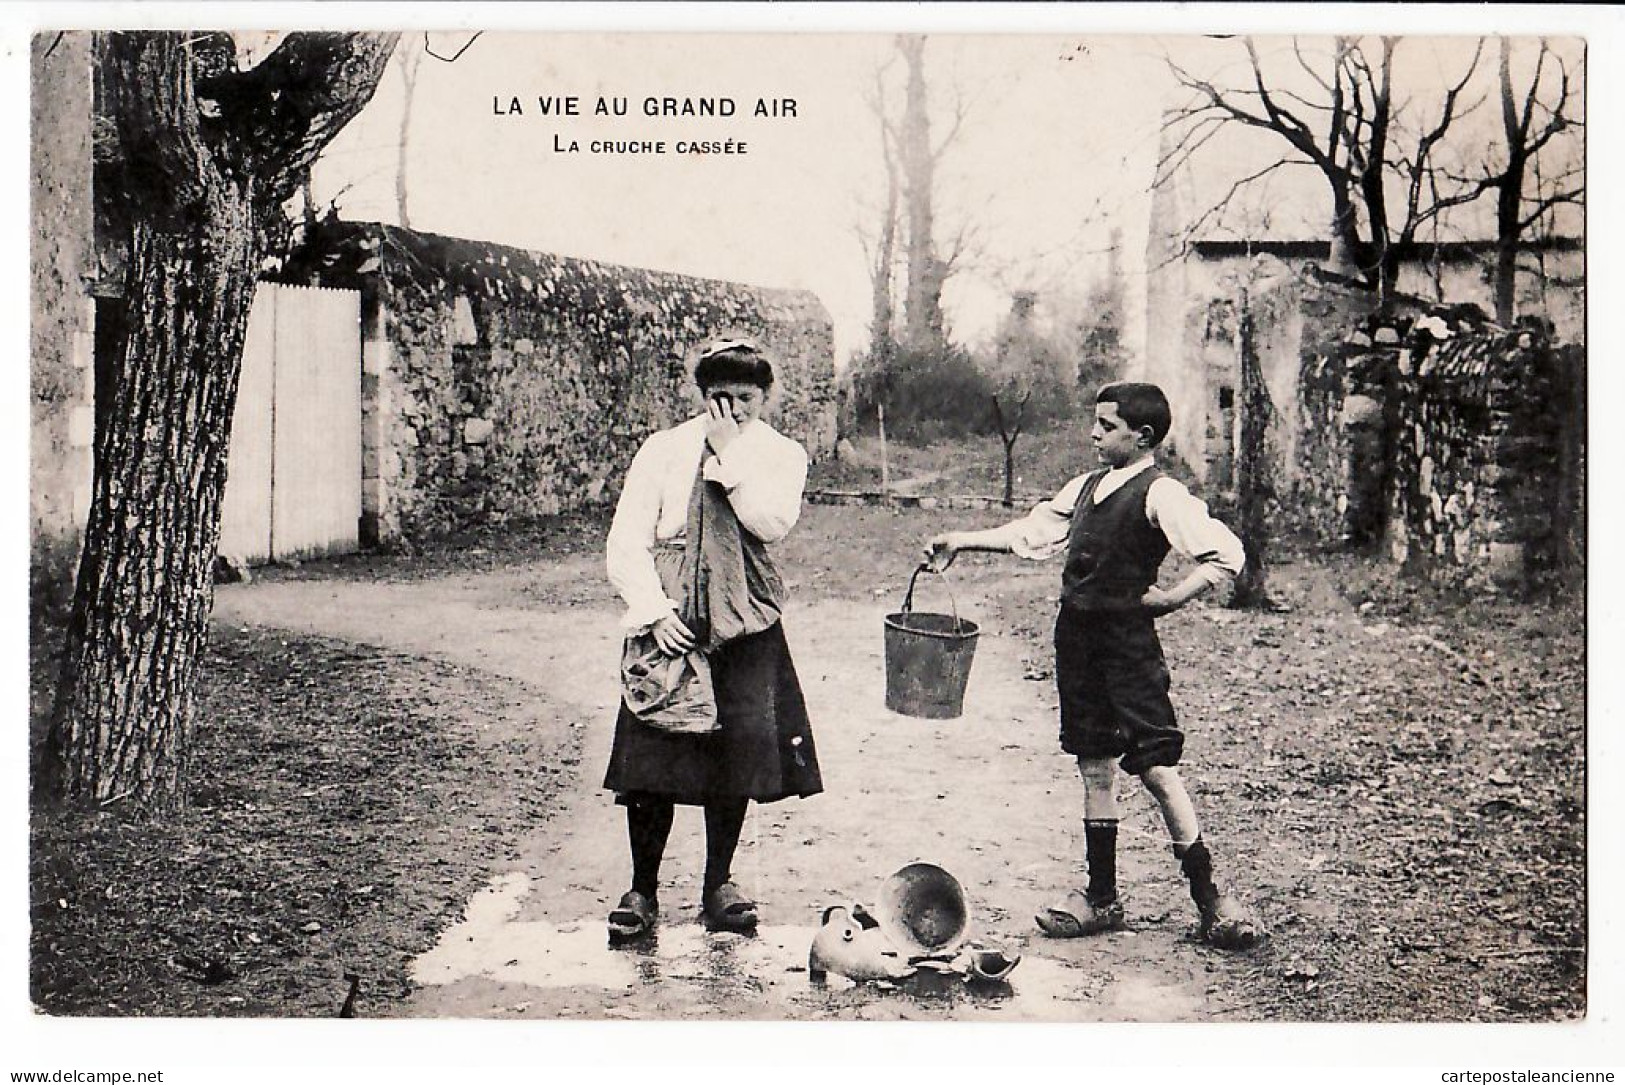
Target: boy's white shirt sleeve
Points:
(1193, 532)
(1042, 532)
(765, 474)
(629, 550)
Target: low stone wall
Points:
(502, 383)
(1346, 406)
(1479, 490)
(1457, 444)
(874, 498)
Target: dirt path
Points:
(987, 796)
(1396, 781)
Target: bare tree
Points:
(928, 268)
(1029, 388)
(409, 60)
(207, 152)
(1527, 190)
(1010, 423)
(882, 254)
(1349, 131)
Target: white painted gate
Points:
(293, 484)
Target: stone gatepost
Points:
(377, 515)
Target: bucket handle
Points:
(924, 567)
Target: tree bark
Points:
(145, 588)
(207, 155)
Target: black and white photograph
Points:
(1030, 520)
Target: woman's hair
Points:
(1139, 405)
(733, 361)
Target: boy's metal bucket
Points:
(928, 658)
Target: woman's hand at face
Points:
(721, 426)
(673, 636)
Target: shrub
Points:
(927, 393)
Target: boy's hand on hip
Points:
(1160, 602)
(939, 552)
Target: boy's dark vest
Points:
(1113, 551)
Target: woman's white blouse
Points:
(763, 471)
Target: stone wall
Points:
(501, 383)
(1458, 444)
(1345, 408)
(62, 261)
(1188, 354)
(1479, 488)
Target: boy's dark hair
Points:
(1139, 404)
(733, 361)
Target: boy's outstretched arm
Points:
(1038, 535)
(941, 550)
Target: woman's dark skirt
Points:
(764, 750)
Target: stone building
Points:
(1338, 451)
(62, 328)
(494, 383)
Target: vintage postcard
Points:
(922, 521)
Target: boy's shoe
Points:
(1230, 924)
(1077, 916)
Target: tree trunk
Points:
(883, 332)
(1383, 272)
(1253, 488)
(409, 78)
(1344, 257)
(122, 722)
(1010, 470)
(1506, 278)
(922, 314)
(1509, 199)
(1009, 433)
(206, 154)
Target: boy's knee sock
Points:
(1197, 864)
(724, 820)
(1100, 837)
(648, 824)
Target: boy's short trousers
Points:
(1113, 683)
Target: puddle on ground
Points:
(768, 970)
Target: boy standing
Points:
(1116, 525)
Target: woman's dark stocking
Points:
(648, 824)
(724, 819)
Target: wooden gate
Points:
(293, 485)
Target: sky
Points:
(1055, 148)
